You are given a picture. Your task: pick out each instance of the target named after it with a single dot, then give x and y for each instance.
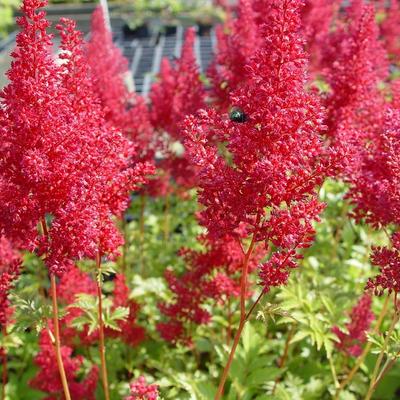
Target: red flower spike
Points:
(238, 41)
(272, 161)
(361, 318)
(178, 93)
(48, 379)
(123, 109)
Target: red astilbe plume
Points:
(273, 164)
(10, 263)
(48, 380)
(375, 188)
(390, 31)
(178, 93)
(123, 109)
(317, 19)
(238, 40)
(388, 261)
(130, 332)
(34, 117)
(212, 274)
(355, 106)
(110, 166)
(361, 317)
(141, 390)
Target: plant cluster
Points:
(233, 236)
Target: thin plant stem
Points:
(282, 360)
(57, 337)
(57, 341)
(102, 347)
(378, 363)
(229, 329)
(333, 371)
(243, 294)
(386, 368)
(365, 352)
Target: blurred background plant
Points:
(7, 8)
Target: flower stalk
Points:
(102, 347)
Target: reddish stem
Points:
(243, 295)
(102, 346)
(53, 289)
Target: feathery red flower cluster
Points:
(141, 390)
(210, 274)
(48, 379)
(123, 109)
(238, 40)
(10, 263)
(59, 161)
(355, 108)
(361, 318)
(178, 92)
(267, 173)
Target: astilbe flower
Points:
(58, 158)
(123, 109)
(272, 162)
(113, 172)
(34, 117)
(10, 264)
(355, 106)
(317, 20)
(375, 189)
(212, 274)
(361, 317)
(178, 93)
(129, 331)
(237, 41)
(141, 390)
(48, 379)
(390, 31)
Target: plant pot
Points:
(141, 31)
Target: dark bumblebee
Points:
(237, 115)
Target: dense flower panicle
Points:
(355, 105)
(111, 170)
(212, 274)
(59, 160)
(272, 162)
(317, 19)
(32, 120)
(361, 317)
(10, 263)
(388, 261)
(141, 390)
(238, 40)
(375, 189)
(123, 109)
(178, 92)
(48, 379)
(390, 30)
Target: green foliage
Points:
(6, 15)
